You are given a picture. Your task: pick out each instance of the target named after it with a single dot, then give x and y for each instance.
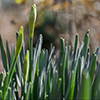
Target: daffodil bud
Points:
(19, 42)
(32, 19)
(26, 67)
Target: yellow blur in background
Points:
(20, 1)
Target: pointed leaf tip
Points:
(88, 31)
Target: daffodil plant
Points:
(33, 75)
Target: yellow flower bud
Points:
(19, 42)
(26, 67)
(32, 19)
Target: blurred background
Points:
(55, 19)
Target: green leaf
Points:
(8, 54)
(97, 51)
(36, 55)
(80, 50)
(50, 56)
(48, 79)
(74, 55)
(0, 94)
(66, 70)
(17, 70)
(12, 85)
(12, 52)
(55, 89)
(9, 93)
(1, 79)
(61, 57)
(41, 85)
(22, 88)
(18, 75)
(87, 59)
(45, 59)
(35, 84)
(75, 47)
(61, 65)
(64, 74)
(96, 82)
(22, 58)
(85, 48)
(92, 68)
(28, 97)
(98, 93)
(78, 79)
(18, 49)
(92, 57)
(21, 55)
(68, 55)
(16, 94)
(85, 88)
(71, 86)
(3, 54)
(44, 89)
(41, 61)
(5, 86)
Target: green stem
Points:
(10, 76)
(30, 58)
